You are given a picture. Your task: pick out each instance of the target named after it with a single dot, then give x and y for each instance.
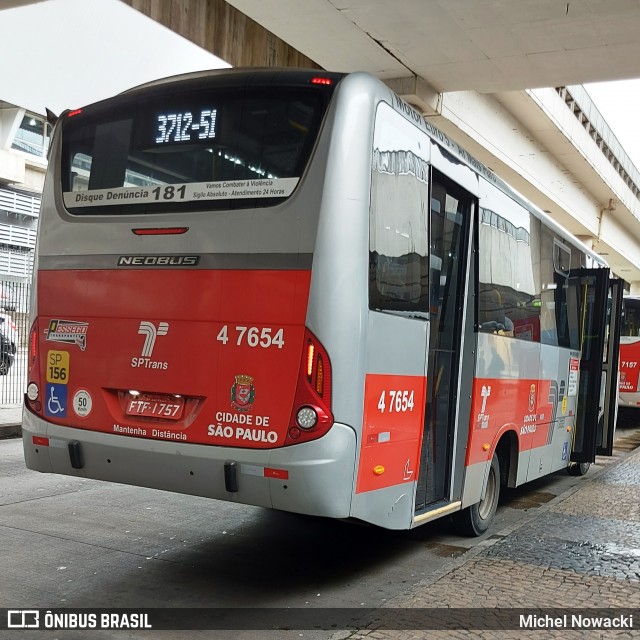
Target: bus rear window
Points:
(191, 150)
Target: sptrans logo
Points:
(151, 333)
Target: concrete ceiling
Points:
(485, 45)
(434, 47)
(488, 46)
(497, 47)
(12, 4)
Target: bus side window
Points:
(398, 249)
(561, 293)
(509, 269)
(491, 313)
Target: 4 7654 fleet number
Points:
(396, 402)
(264, 337)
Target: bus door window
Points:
(561, 296)
(631, 317)
(451, 209)
(592, 288)
(630, 351)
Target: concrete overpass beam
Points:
(489, 131)
(226, 32)
(614, 234)
(496, 137)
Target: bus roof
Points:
(242, 75)
(296, 76)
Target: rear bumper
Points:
(315, 478)
(629, 400)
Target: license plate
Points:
(152, 406)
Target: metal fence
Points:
(14, 336)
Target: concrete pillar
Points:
(10, 119)
(221, 29)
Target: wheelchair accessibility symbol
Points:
(56, 401)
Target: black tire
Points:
(476, 519)
(578, 468)
(5, 365)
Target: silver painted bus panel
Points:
(340, 264)
(395, 346)
(320, 473)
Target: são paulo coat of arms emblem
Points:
(242, 393)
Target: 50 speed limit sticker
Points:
(82, 403)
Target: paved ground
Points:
(581, 550)
(10, 421)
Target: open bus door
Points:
(610, 366)
(600, 305)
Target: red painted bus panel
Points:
(629, 364)
(193, 356)
(392, 430)
(523, 405)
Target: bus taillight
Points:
(33, 390)
(319, 377)
(311, 352)
(311, 416)
(316, 377)
(33, 345)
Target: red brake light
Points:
(33, 344)
(75, 112)
(310, 353)
(161, 231)
(323, 81)
(31, 396)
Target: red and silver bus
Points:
(629, 389)
(288, 289)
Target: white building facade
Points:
(24, 142)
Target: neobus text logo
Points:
(158, 261)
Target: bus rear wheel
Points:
(578, 468)
(476, 519)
